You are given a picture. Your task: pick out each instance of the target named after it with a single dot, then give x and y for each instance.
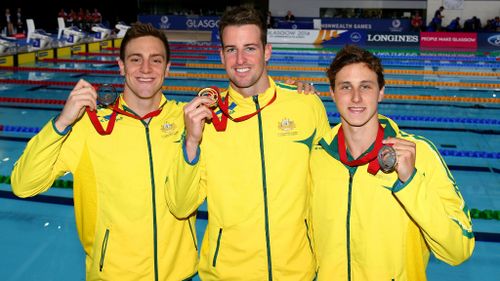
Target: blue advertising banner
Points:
(490, 41)
(211, 23)
(181, 22)
(304, 24)
(384, 39)
(383, 25)
(356, 37)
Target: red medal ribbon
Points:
(111, 123)
(370, 157)
(221, 124)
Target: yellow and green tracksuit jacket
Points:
(373, 227)
(255, 176)
(122, 218)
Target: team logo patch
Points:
(287, 127)
(169, 129)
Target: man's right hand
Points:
(195, 114)
(82, 95)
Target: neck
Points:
(359, 139)
(142, 106)
(258, 88)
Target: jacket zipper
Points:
(104, 247)
(348, 226)
(264, 186)
(153, 200)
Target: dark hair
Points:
(140, 30)
(351, 54)
(243, 15)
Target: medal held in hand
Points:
(106, 95)
(211, 93)
(387, 158)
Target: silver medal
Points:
(387, 158)
(106, 95)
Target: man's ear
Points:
(332, 93)
(122, 67)
(221, 53)
(381, 94)
(268, 49)
(167, 69)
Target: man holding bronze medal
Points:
(382, 199)
(119, 153)
(247, 152)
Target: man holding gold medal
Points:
(248, 154)
(382, 199)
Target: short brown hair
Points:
(243, 15)
(140, 30)
(353, 54)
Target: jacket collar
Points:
(330, 142)
(264, 98)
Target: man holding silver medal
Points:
(251, 163)
(380, 220)
(119, 153)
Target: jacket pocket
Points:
(308, 236)
(104, 246)
(216, 253)
(193, 235)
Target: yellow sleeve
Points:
(185, 185)
(431, 197)
(39, 165)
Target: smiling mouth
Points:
(242, 70)
(145, 80)
(356, 109)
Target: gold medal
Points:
(211, 93)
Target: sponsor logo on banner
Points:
(355, 37)
(164, 24)
(494, 40)
(42, 54)
(448, 39)
(291, 35)
(396, 26)
(366, 26)
(405, 38)
(202, 23)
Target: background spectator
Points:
(416, 22)
(8, 23)
(438, 18)
(289, 16)
(454, 25)
(270, 20)
(19, 22)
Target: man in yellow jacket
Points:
(373, 224)
(119, 157)
(251, 164)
